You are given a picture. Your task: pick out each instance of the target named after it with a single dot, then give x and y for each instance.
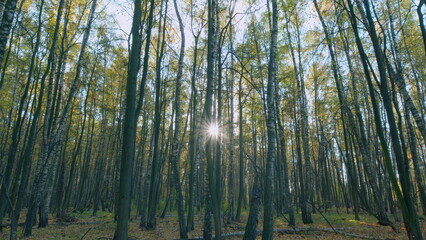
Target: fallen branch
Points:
(86, 233)
(62, 223)
(297, 230)
(330, 230)
(356, 235)
(78, 223)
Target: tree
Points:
(129, 127)
(156, 163)
(6, 24)
(176, 147)
(268, 219)
(207, 120)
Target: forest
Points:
(215, 119)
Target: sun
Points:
(213, 130)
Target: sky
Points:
(122, 11)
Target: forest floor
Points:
(102, 227)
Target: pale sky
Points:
(122, 10)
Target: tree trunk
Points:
(146, 57)
(284, 191)
(250, 232)
(230, 87)
(176, 147)
(207, 119)
(153, 190)
(241, 151)
(129, 128)
(412, 141)
(6, 25)
(422, 22)
(2, 3)
(268, 216)
(193, 143)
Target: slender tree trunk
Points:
(284, 193)
(305, 184)
(129, 128)
(268, 215)
(143, 221)
(422, 21)
(241, 193)
(5, 26)
(250, 232)
(412, 141)
(255, 194)
(207, 120)
(2, 3)
(398, 79)
(230, 87)
(176, 147)
(146, 57)
(193, 142)
(156, 164)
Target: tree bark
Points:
(6, 26)
(251, 231)
(176, 147)
(268, 216)
(193, 141)
(129, 128)
(241, 150)
(230, 87)
(422, 22)
(153, 190)
(208, 119)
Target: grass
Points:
(168, 228)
